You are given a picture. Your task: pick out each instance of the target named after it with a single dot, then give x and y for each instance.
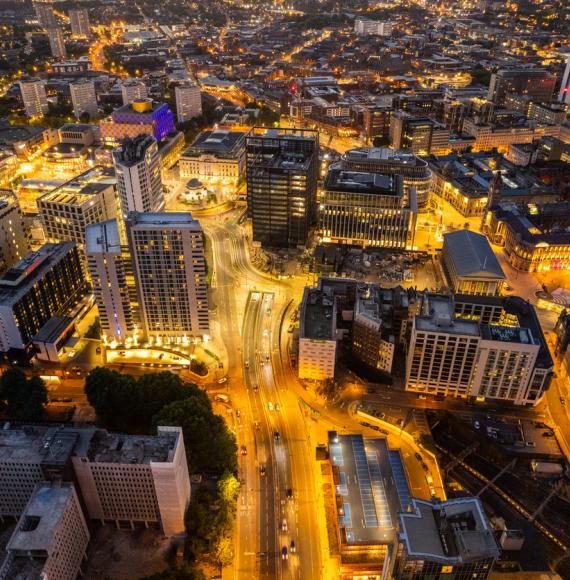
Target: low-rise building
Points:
(437, 539)
(535, 236)
(51, 536)
(215, 157)
(317, 335)
(470, 264)
(88, 198)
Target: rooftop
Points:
(394, 156)
(454, 531)
(102, 237)
(133, 449)
(438, 315)
(362, 182)
(163, 219)
(318, 315)
(41, 518)
(132, 151)
(370, 495)
(216, 142)
(472, 256)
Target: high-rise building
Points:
(139, 183)
(43, 284)
(86, 199)
(537, 83)
(109, 265)
(282, 171)
(478, 346)
(420, 135)
(51, 536)
(79, 21)
(45, 14)
(564, 93)
(188, 102)
(14, 241)
(167, 251)
(367, 27)
(84, 98)
(57, 43)
(34, 96)
(123, 479)
(136, 479)
(415, 171)
(437, 539)
(133, 90)
(367, 209)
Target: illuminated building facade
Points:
(537, 83)
(14, 241)
(167, 251)
(34, 96)
(79, 22)
(366, 209)
(57, 43)
(140, 116)
(188, 102)
(84, 97)
(133, 90)
(43, 284)
(420, 135)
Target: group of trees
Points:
(22, 399)
(137, 405)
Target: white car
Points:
(270, 406)
(284, 525)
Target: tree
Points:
(210, 446)
(24, 399)
(128, 404)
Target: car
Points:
(257, 426)
(293, 547)
(425, 467)
(562, 400)
(422, 397)
(238, 413)
(270, 406)
(72, 353)
(276, 435)
(222, 398)
(383, 431)
(365, 424)
(243, 450)
(98, 350)
(161, 356)
(122, 353)
(476, 424)
(284, 554)
(223, 380)
(284, 525)
(262, 471)
(277, 407)
(418, 456)
(266, 358)
(508, 288)
(246, 364)
(255, 387)
(548, 434)
(289, 493)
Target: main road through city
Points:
(278, 495)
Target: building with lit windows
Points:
(140, 116)
(317, 335)
(139, 183)
(478, 347)
(414, 171)
(188, 102)
(84, 97)
(281, 173)
(215, 157)
(57, 43)
(537, 83)
(67, 210)
(110, 269)
(133, 90)
(167, 251)
(34, 96)
(45, 14)
(449, 539)
(420, 135)
(46, 283)
(367, 209)
(367, 27)
(470, 265)
(535, 236)
(14, 241)
(51, 536)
